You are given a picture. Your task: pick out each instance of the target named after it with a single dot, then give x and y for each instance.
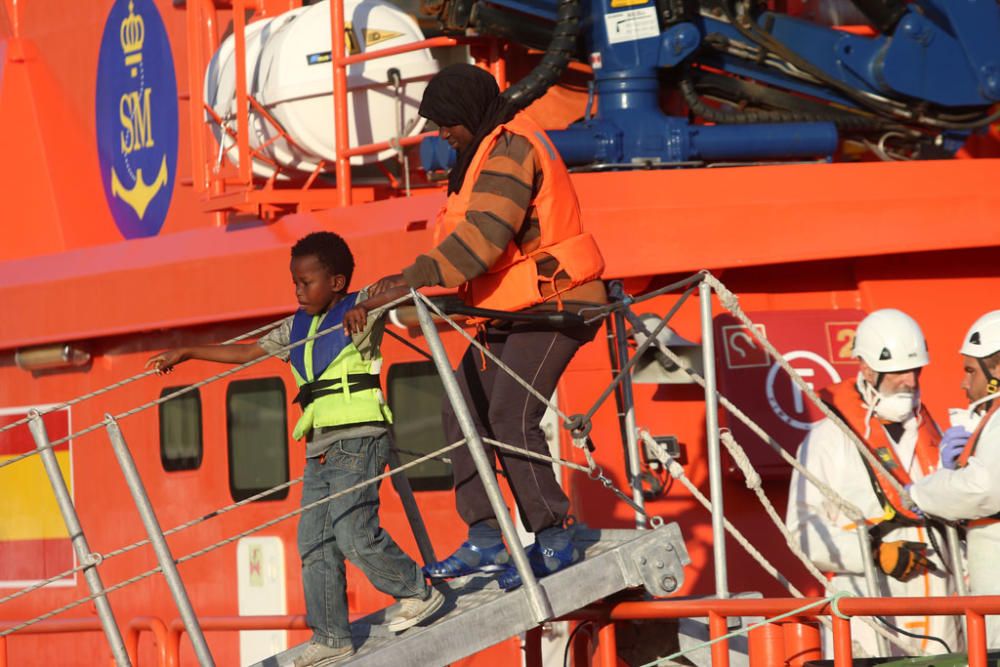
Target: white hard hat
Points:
(890, 341)
(983, 338)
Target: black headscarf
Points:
(465, 95)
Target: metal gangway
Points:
(477, 614)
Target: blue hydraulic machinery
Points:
(772, 86)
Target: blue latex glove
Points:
(952, 443)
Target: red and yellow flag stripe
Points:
(34, 543)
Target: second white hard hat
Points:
(890, 341)
(983, 337)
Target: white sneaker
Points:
(321, 655)
(414, 610)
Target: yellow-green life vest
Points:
(337, 386)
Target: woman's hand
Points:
(165, 361)
(355, 319)
(386, 283)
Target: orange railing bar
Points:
(975, 626)
(202, 27)
(383, 145)
(340, 130)
(607, 646)
(973, 607)
(842, 651)
(142, 624)
(720, 650)
(50, 627)
(242, 104)
(216, 623)
(342, 144)
(431, 42)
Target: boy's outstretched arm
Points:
(234, 353)
(356, 318)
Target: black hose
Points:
(749, 29)
(914, 635)
(557, 56)
(845, 121)
(572, 636)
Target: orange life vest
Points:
(513, 282)
(973, 441)
(846, 400)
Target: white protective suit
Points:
(828, 536)
(972, 492)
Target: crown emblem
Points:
(132, 34)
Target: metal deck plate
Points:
(477, 614)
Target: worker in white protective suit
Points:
(882, 406)
(968, 485)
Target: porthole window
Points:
(415, 394)
(180, 430)
(257, 430)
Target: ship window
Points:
(180, 430)
(415, 395)
(257, 430)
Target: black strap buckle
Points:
(310, 391)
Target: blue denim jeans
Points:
(348, 527)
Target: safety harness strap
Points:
(310, 391)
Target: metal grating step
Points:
(477, 614)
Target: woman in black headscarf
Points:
(510, 238)
(464, 100)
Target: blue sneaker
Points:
(544, 561)
(486, 559)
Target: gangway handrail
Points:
(572, 423)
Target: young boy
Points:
(347, 442)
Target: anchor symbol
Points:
(140, 194)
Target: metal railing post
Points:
(79, 540)
(628, 407)
(871, 577)
(712, 432)
(405, 491)
(163, 556)
(540, 607)
(955, 556)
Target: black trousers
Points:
(504, 411)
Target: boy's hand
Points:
(355, 319)
(386, 283)
(165, 361)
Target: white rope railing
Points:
(731, 303)
(100, 558)
(728, 300)
(121, 383)
(234, 538)
(197, 385)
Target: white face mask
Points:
(897, 407)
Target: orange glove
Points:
(903, 560)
